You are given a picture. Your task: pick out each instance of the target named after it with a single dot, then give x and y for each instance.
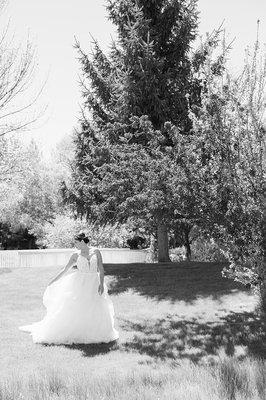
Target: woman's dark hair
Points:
(82, 236)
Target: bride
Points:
(78, 308)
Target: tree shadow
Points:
(88, 349)
(237, 334)
(172, 281)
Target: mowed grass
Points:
(185, 333)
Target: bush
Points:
(60, 233)
(178, 254)
(204, 249)
(137, 242)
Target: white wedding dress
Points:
(75, 311)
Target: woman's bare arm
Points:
(101, 270)
(70, 263)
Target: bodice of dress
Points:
(89, 264)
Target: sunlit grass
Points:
(230, 379)
(185, 333)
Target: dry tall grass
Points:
(229, 379)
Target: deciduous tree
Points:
(227, 165)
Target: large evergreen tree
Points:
(126, 147)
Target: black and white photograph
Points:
(132, 200)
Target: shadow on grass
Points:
(88, 350)
(237, 334)
(5, 270)
(171, 281)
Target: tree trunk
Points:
(263, 269)
(187, 245)
(162, 240)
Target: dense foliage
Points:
(60, 234)
(29, 193)
(124, 149)
(227, 162)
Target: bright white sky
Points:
(52, 25)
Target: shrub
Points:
(60, 233)
(204, 249)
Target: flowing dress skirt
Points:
(75, 312)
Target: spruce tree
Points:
(135, 109)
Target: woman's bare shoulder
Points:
(95, 250)
(74, 256)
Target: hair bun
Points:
(81, 236)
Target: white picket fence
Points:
(59, 257)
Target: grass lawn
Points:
(185, 333)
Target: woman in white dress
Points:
(78, 308)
